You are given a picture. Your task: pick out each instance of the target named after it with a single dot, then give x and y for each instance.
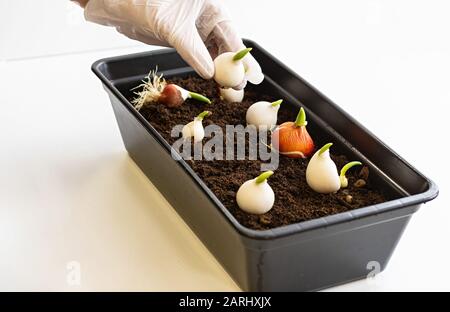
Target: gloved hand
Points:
(198, 29)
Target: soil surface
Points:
(294, 200)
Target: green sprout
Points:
(263, 176)
(342, 177)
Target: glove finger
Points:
(212, 13)
(226, 37)
(192, 49)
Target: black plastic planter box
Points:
(300, 257)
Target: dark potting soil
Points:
(294, 200)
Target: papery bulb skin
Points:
(291, 139)
(171, 96)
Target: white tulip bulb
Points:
(263, 114)
(231, 96)
(232, 70)
(228, 73)
(321, 173)
(195, 129)
(256, 196)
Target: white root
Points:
(152, 87)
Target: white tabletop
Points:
(70, 195)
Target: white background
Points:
(69, 192)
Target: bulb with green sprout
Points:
(263, 114)
(342, 177)
(155, 89)
(231, 71)
(195, 129)
(292, 138)
(322, 175)
(256, 196)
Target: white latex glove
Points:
(198, 29)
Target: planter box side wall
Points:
(312, 263)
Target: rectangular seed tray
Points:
(305, 256)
